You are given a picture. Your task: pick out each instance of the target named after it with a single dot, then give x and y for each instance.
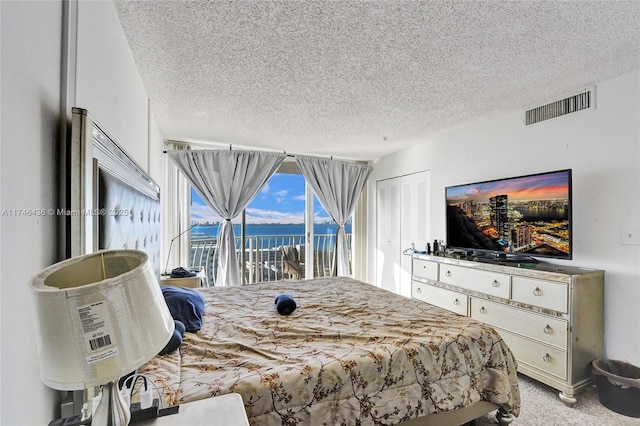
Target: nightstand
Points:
(223, 410)
(191, 282)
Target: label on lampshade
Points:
(97, 330)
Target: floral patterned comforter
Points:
(351, 353)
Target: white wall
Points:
(601, 146)
(156, 146)
(29, 139)
(108, 85)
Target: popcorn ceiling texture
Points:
(362, 79)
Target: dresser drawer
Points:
(549, 330)
(441, 297)
(488, 282)
(425, 269)
(532, 353)
(545, 294)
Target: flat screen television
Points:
(516, 218)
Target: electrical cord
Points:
(132, 390)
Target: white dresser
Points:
(551, 316)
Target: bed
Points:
(351, 353)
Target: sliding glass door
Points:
(283, 234)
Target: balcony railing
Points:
(263, 256)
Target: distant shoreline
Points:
(266, 224)
(297, 230)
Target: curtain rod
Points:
(221, 146)
(284, 152)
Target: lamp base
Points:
(112, 409)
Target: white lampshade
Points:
(99, 316)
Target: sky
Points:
(282, 200)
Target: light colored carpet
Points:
(541, 406)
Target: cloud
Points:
(202, 214)
(281, 196)
(321, 218)
(255, 215)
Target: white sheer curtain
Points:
(227, 181)
(338, 185)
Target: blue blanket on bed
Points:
(186, 305)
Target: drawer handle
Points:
(419, 289)
(456, 302)
(448, 273)
(537, 292)
(546, 358)
(547, 329)
(495, 283)
(483, 310)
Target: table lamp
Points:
(99, 317)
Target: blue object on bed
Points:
(176, 339)
(285, 304)
(186, 305)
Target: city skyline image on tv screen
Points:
(529, 215)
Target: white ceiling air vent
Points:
(583, 100)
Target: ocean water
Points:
(277, 230)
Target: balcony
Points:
(263, 256)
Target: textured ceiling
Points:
(361, 79)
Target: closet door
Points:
(414, 222)
(388, 232)
(403, 223)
